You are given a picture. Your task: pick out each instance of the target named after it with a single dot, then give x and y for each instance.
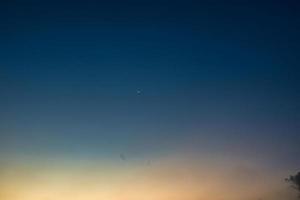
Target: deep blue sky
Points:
(148, 77)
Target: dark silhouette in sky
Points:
(122, 156)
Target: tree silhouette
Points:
(294, 180)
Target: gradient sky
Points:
(134, 97)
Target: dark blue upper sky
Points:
(148, 76)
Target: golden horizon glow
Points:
(165, 179)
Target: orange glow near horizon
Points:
(166, 179)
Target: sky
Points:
(149, 99)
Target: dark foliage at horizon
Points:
(294, 180)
